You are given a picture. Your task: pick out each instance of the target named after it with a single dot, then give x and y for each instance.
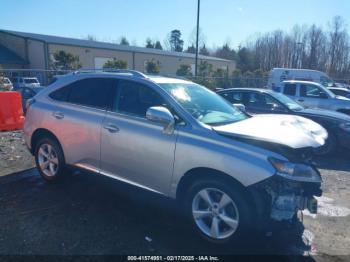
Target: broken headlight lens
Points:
(293, 171)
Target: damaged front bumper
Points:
(280, 199)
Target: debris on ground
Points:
(14, 156)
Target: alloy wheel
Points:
(215, 213)
(48, 160)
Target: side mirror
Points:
(240, 107)
(160, 114)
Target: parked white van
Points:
(278, 75)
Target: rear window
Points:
(290, 89)
(92, 92)
(61, 94)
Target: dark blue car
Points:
(265, 101)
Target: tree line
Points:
(309, 47)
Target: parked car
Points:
(229, 171)
(265, 101)
(278, 75)
(314, 95)
(340, 91)
(28, 93)
(19, 82)
(5, 84)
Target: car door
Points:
(76, 116)
(313, 96)
(260, 103)
(290, 90)
(134, 149)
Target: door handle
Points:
(58, 115)
(111, 128)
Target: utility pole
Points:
(197, 40)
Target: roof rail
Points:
(112, 70)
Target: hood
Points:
(292, 131)
(325, 113)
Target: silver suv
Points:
(229, 171)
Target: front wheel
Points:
(49, 159)
(219, 212)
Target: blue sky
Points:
(221, 20)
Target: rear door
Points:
(134, 149)
(76, 116)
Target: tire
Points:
(49, 159)
(239, 210)
(329, 147)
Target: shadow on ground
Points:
(88, 214)
(339, 161)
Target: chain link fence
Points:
(214, 83)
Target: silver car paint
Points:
(325, 103)
(139, 153)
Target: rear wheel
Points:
(49, 159)
(219, 211)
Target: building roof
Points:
(104, 45)
(9, 57)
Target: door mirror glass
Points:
(240, 107)
(162, 115)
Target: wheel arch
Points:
(40, 133)
(207, 173)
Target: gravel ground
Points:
(88, 214)
(14, 156)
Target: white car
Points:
(19, 82)
(5, 84)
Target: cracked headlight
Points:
(345, 126)
(293, 171)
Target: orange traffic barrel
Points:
(11, 111)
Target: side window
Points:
(290, 89)
(92, 92)
(237, 97)
(61, 94)
(227, 96)
(311, 91)
(254, 100)
(135, 99)
(262, 101)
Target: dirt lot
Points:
(87, 214)
(14, 156)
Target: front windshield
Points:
(326, 81)
(288, 102)
(203, 104)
